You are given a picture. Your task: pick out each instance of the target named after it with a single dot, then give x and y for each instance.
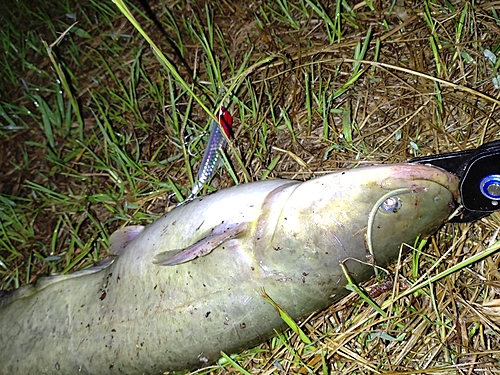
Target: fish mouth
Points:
(407, 176)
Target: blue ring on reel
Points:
(486, 182)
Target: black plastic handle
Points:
(479, 173)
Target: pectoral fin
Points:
(206, 245)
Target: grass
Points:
(94, 118)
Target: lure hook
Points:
(188, 142)
(171, 200)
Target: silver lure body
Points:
(212, 155)
(211, 159)
(132, 316)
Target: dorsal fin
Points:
(217, 236)
(45, 281)
(122, 237)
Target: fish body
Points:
(132, 315)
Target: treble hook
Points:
(189, 143)
(172, 201)
(176, 203)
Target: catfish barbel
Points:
(132, 314)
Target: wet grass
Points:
(94, 118)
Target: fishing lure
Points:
(212, 156)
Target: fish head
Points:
(358, 218)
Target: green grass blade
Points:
(286, 317)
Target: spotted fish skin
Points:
(132, 315)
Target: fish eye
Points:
(391, 205)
